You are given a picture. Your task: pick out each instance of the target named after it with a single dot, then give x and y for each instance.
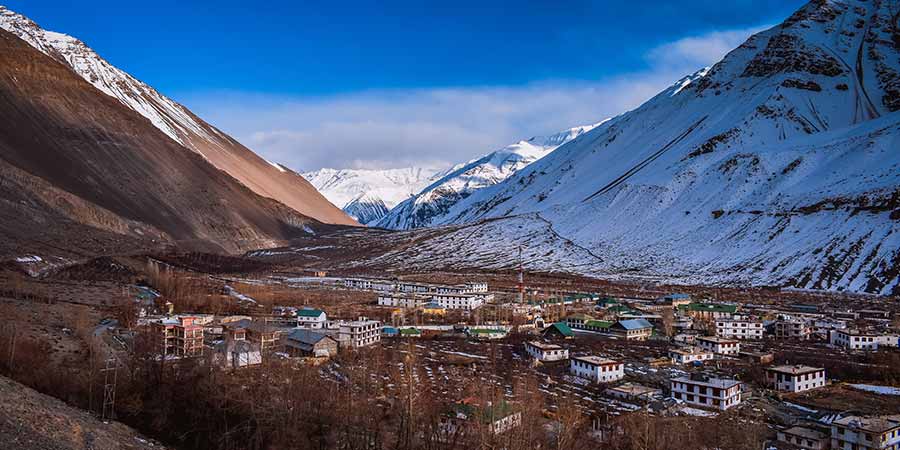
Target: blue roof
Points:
(390, 330)
(635, 324)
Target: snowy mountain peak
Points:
(367, 194)
(778, 165)
(450, 191)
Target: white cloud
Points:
(443, 126)
(698, 51)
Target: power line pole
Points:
(110, 372)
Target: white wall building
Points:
(359, 333)
(546, 352)
(369, 284)
(718, 345)
(402, 300)
(311, 318)
(707, 392)
(466, 302)
(858, 340)
(688, 355)
(739, 327)
(596, 369)
(795, 378)
(865, 433)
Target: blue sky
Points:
(356, 84)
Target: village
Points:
(807, 374)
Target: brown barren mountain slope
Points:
(177, 122)
(34, 421)
(67, 149)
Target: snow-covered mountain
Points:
(368, 194)
(780, 165)
(176, 121)
(450, 191)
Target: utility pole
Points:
(110, 372)
(521, 278)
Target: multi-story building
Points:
(596, 369)
(546, 352)
(718, 345)
(804, 438)
(465, 302)
(311, 318)
(739, 327)
(795, 378)
(866, 433)
(264, 333)
(178, 336)
(689, 355)
(633, 329)
(708, 311)
(862, 340)
(369, 284)
(707, 392)
(402, 300)
(359, 333)
(792, 328)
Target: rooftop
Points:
(634, 324)
(794, 370)
(720, 383)
(562, 328)
(806, 433)
(710, 307)
(689, 351)
(309, 312)
(596, 360)
(717, 339)
(872, 424)
(544, 346)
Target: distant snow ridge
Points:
(449, 192)
(777, 166)
(368, 194)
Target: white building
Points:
(795, 378)
(718, 345)
(866, 433)
(476, 287)
(707, 392)
(359, 333)
(402, 300)
(466, 302)
(739, 327)
(596, 369)
(369, 284)
(688, 355)
(859, 340)
(311, 318)
(546, 352)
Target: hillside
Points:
(84, 174)
(777, 166)
(33, 421)
(176, 121)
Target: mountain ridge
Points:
(176, 121)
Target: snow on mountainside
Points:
(175, 121)
(778, 166)
(449, 192)
(368, 194)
